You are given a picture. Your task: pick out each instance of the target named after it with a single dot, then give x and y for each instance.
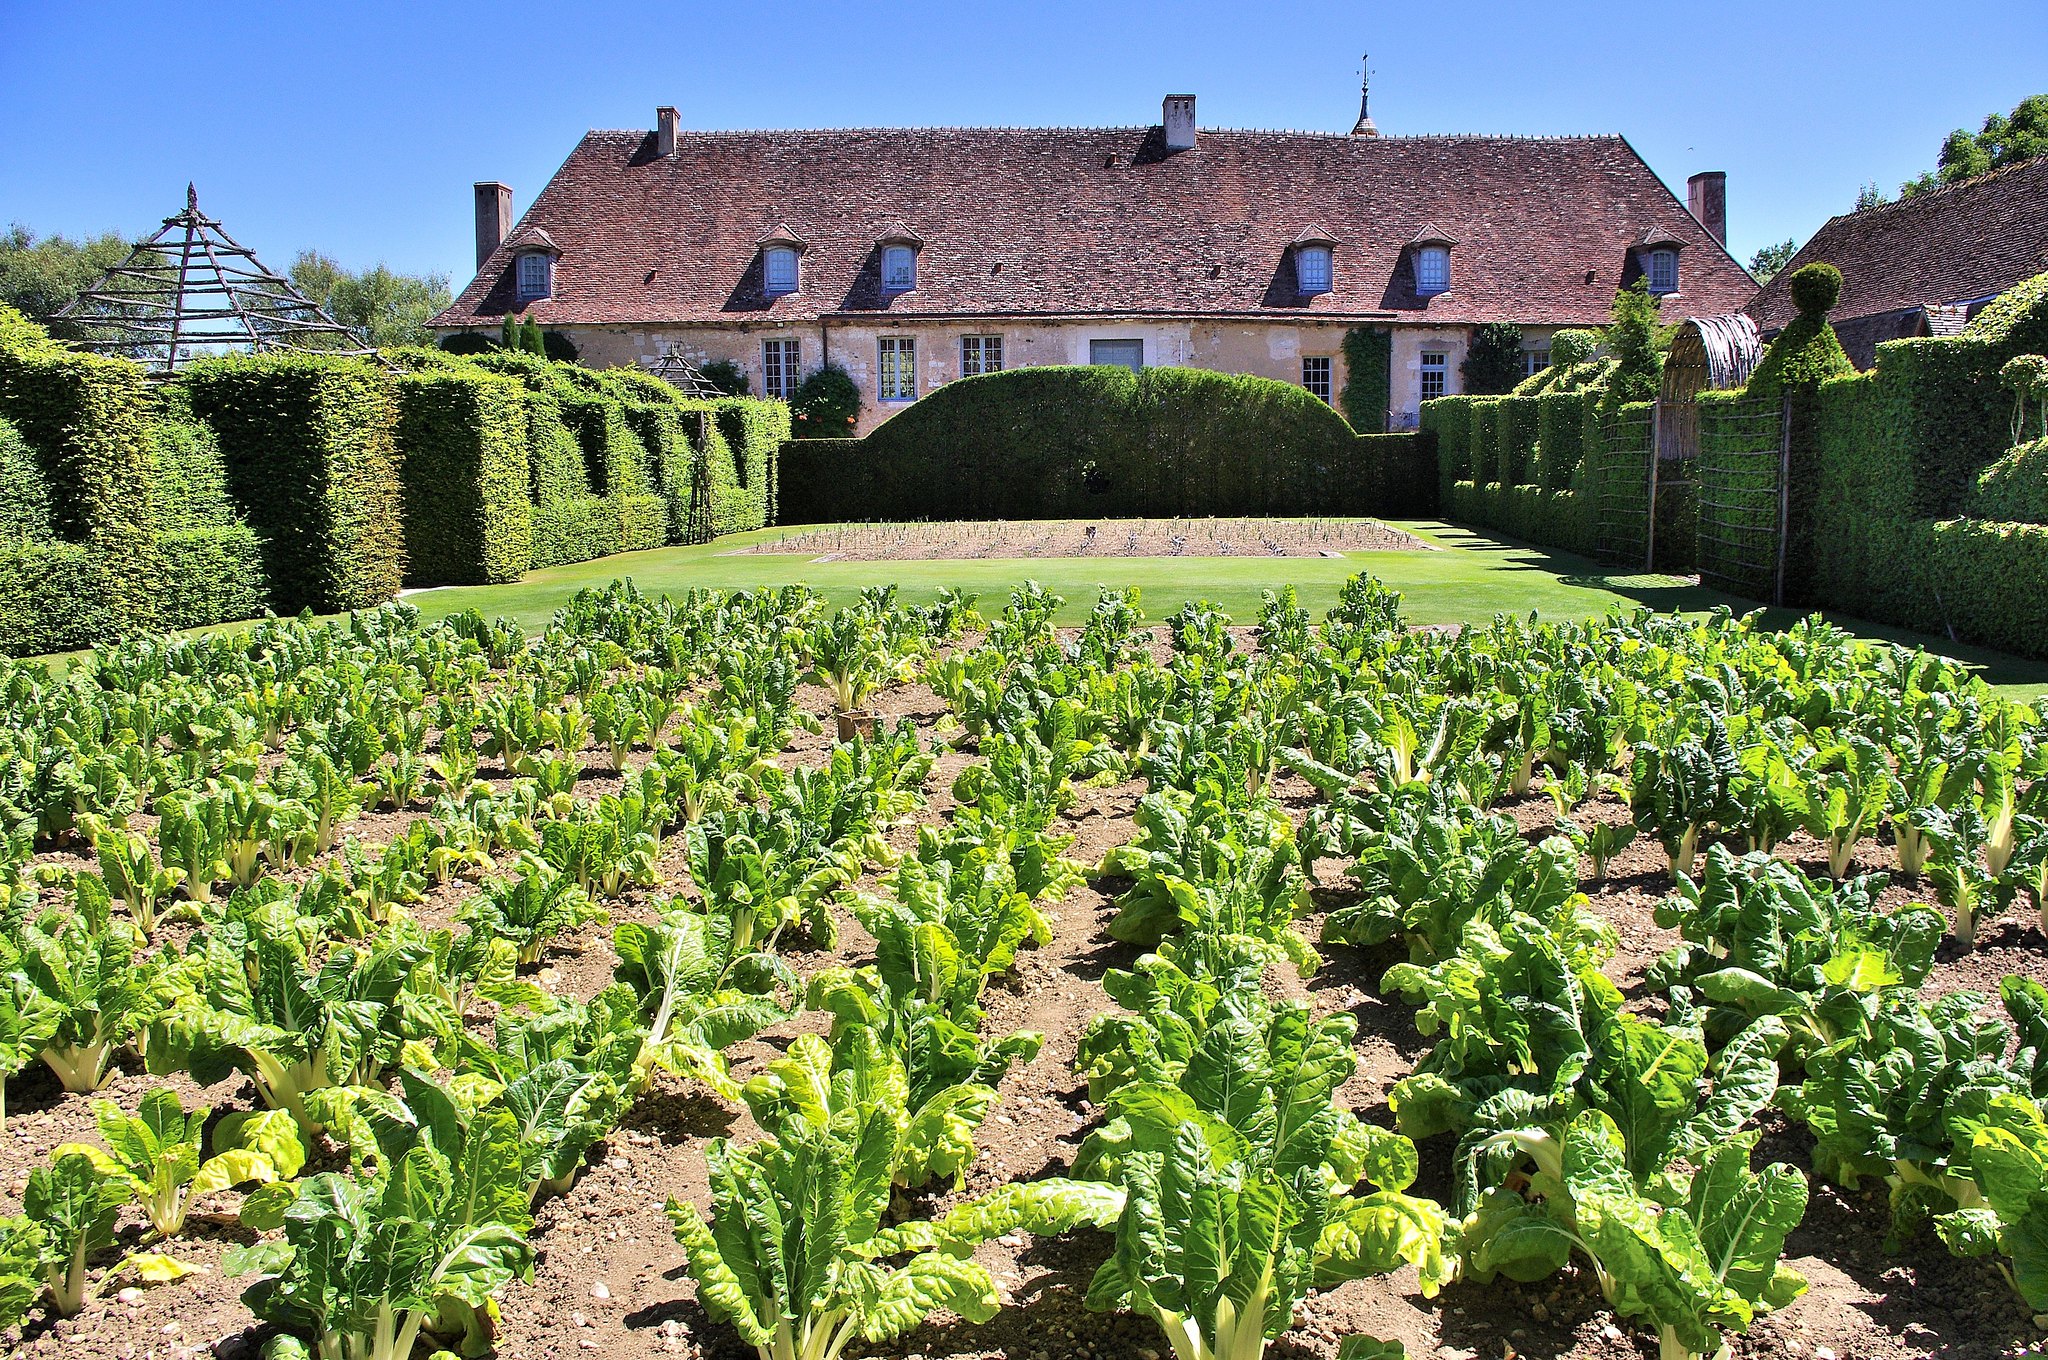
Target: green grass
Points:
(1470, 577)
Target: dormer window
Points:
(899, 269)
(1312, 269)
(1663, 271)
(1433, 270)
(779, 270)
(536, 276)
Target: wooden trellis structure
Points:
(1717, 352)
(673, 369)
(192, 292)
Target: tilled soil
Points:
(609, 1279)
(955, 539)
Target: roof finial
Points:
(1364, 126)
(191, 197)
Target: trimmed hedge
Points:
(212, 574)
(1986, 580)
(1560, 439)
(311, 461)
(56, 597)
(1515, 420)
(24, 493)
(468, 517)
(87, 419)
(1483, 453)
(2014, 488)
(1083, 442)
(1449, 419)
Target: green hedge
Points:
(574, 531)
(642, 521)
(744, 486)
(311, 462)
(1560, 438)
(212, 575)
(2014, 488)
(1986, 580)
(1368, 393)
(1483, 455)
(1098, 441)
(24, 493)
(1515, 421)
(463, 455)
(87, 419)
(1449, 419)
(56, 597)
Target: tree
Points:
(1768, 261)
(390, 308)
(1493, 364)
(2005, 139)
(531, 340)
(39, 276)
(1870, 196)
(727, 376)
(1633, 338)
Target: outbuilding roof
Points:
(1097, 221)
(1961, 243)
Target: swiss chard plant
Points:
(159, 1153)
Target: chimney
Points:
(493, 217)
(1707, 195)
(665, 131)
(1178, 114)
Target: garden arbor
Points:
(190, 292)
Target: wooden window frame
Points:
(781, 368)
(796, 271)
(896, 358)
(1319, 376)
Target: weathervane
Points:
(1364, 126)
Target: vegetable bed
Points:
(728, 975)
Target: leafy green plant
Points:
(159, 1153)
(88, 973)
(1679, 789)
(75, 1203)
(794, 1254)
(2008, 1161)
(530, 910)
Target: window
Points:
(1434, 365)
(899, 269)
(1122, 353)
(778, 270)
(1432, 270)
(1312, 268)
(536, 275)
(1315, 375)
(1663, 271)
(980, 354)
(1534, 361)
(779, 369)
(898, 379)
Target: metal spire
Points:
(1364, 126)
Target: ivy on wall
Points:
(1368, 378)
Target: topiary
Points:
(509, 331)
(1816, 288)
(1632, 339)
(2018, 316)
(2027, 376)
(531, 340)
(826, 405)
(1572, 347)
(1806, 351)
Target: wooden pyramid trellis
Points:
(191, 292)
(674, 369)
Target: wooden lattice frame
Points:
(673, 369)
(192, 291)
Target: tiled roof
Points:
(1957, 244)
(1095, 221)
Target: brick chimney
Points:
(493, 217)
(1707, 195)
(1178, 114)
(665, 132)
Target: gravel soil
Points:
(609, 1279)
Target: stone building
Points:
(1923, 265)
(914, 256)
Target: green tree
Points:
(509, 331)
(531, 340)
(2005, 139)
(1634, 339)
(727, 376)
(1767, 262)
(1870, 196)
(40, 275)
(390, 308)
(1493, 364)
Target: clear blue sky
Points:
(357, 128)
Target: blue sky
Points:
(363, 133)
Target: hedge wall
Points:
(2013, 488)
(312, 463)
(1515, 427)
(468, 517)
(56, 597)
(1449, 420)
(1987, 580)
(1482, 455)
(1517, 464)
(1100, 441)
(1560, 439)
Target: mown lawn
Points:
(1469, 577)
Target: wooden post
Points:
(1784, 495)
(1650, 535)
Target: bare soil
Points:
(919, 541)
(609, 1278)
